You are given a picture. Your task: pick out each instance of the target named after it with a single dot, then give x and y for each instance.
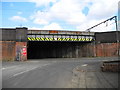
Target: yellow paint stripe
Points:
(33, 39)
(51, 39)
(29, 38)
(37, 38)
(46, 39)
(67, 39)
(42, 39)
(58, 39)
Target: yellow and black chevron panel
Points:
(58, 39)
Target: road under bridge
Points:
(57, 44)
(37, 50)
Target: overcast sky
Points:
(77, 15)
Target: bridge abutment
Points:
(15, 45)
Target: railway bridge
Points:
(57, 44)
(22, 44)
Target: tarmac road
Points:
(50, 73)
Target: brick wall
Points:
(107, 49)
(8, 50)
(102, 49)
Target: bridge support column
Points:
(77, 49)
(21, 44)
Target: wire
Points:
(112, 18)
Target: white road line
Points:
(28, 70)
(24, 71)
(4, 68)
(85, 65)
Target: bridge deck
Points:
(50, 35)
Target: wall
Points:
(37, 50)
(107, 43)
(103, 49)
(8, 34)
(107, 49)
(8, 50)
(18, 51)
(12, 50)
(107, 37)
(13, 41)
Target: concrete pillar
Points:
(54, 53)
(63, 52)
(60, 52)
(67, 51)
(70, 52)
(57, 52)
(77, 49)
(73, 51)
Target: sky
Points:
(72, 15)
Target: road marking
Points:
(28, 70)
(85, 65)
(24, 71)
(4, 68)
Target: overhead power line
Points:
(112, 18)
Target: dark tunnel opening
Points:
(38, 50)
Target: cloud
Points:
(35, 28)
(103, 9)
(14, 0)
(108, 26)
(40, 21)
(42, 2)
(18, 18)
(41, 18)
(19, 13)
(98, 12)
(71, 12)
(52, 26)
(68, 10)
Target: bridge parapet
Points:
(40, 35)
(59, 32)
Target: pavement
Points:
(58, 73)
(89, 75)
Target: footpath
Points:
(91, 76)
